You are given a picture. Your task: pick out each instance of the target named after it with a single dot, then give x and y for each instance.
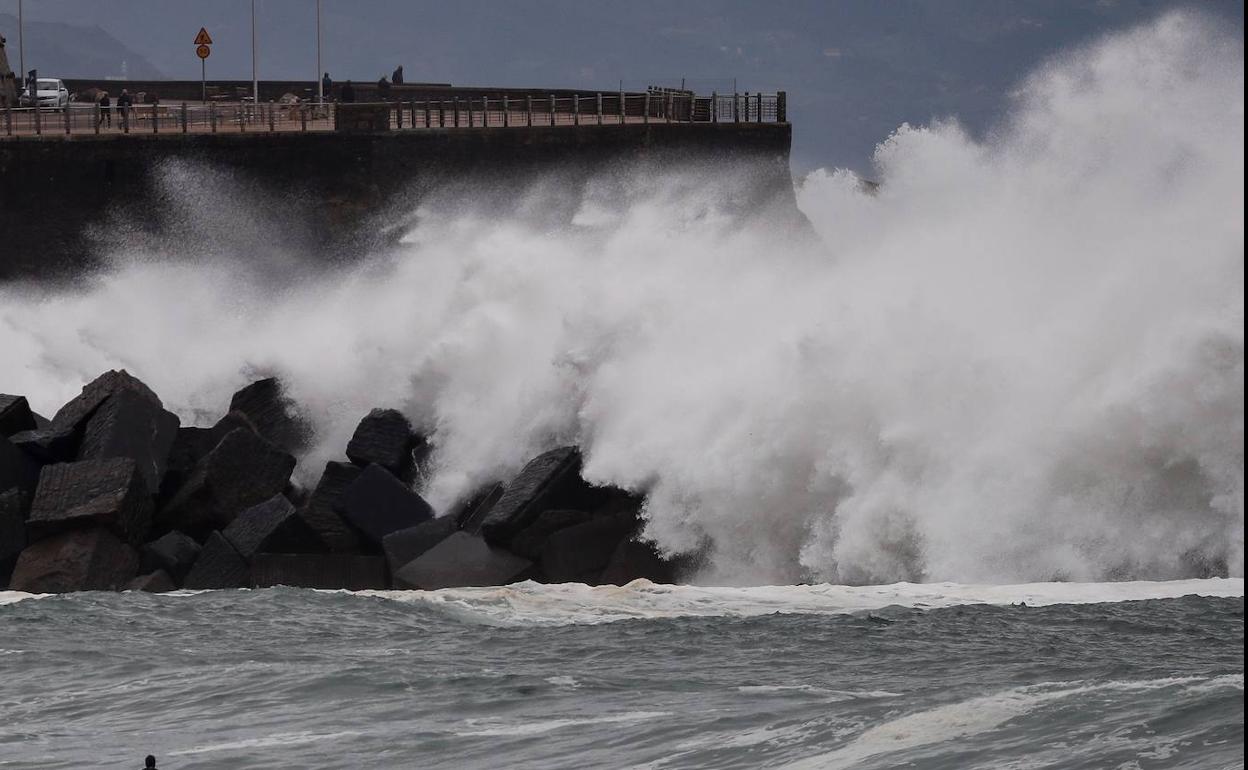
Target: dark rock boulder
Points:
(157, 582)
(58, 441)
(15, 415)
(462, 560)
(385, 438)
(579, 554)
(530, 540)
(17, 468)
(275, 416)
(272, 526)
(241, 471)
(332, 571)
(403, 546)
(108, 493)
(635, 560)
(377, 503)
(319, 514)
(82, 560)
(219, 566)
(551, 480)
(174, 553)
(471, 513)
(12, 531)
(191, 444)
(128, 424)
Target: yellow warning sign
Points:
(203, 38)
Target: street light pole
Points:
(255, 81)
(21, 41)
(320, 83)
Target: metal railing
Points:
(455, 112)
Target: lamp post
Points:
(255, 81)
(320, 83)
(21, 41)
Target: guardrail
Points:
(245, 117)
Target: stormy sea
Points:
(955, 458)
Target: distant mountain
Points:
(71, 50)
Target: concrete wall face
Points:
(83, 189)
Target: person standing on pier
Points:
(327, 85)
(106, 109)
(124, 102)
(383, 89)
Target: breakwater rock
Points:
(112, 493)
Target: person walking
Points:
(383, 89)
(396, 77)
(124, 103)
(327, 85)
(106, 109)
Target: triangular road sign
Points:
(203, 38)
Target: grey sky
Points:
(853, 70)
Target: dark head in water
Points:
(149, 762)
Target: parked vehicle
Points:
(51, 92)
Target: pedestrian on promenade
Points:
(124, 103)
(327, 85)
(396, 77)
(106, 109)
(347, 93)
(383, 89)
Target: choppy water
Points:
(556, 676)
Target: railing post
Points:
(736, 108)
(622, 110)
(714, 107)
(485, 111)
(185, 125)
(506, 112)
(441, 113)
(428, 114)
(65, 114)
(303, 117)
(598, 109)
(242, 119)
(759, 102)
(212, 116)
(552, 109)
(38, 120)
(472, 119)
(782, 107)
(668, 109)
(645, 108)
(455, 107)
(272, 110)
(95, 115)
(528, 110)
(8, 120)
(576, 109)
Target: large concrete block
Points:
(191, 444)
(108, 493)
(529, 541)
(472, 512)
(462, 560)
(377, 504)
(537, 488)
(157, 582)
(12, 531)
(272, 526)
(128, 424)
(82, 560)
(58, 442)
(332, 571)
(173, 553)
(17, 468)
(403, 546)
(275, 416)
(219, 566)
(385, 438)
(319, 514)
(15, 415)
(579, 554)
(241, 471)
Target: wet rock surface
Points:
(114, 493)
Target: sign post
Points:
(202, 41)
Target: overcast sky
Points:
(854, 70)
